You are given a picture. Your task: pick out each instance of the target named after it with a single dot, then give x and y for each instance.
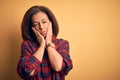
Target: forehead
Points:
(39, 16)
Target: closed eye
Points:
(44, 22)
(35, 24)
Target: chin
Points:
(44, 36)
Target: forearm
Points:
(39, 53)
(55, 59)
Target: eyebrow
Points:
(35, 22)
(43, 19)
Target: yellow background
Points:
(91, 26)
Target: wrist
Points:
(50, 45)
(42, 47)
(48, 42)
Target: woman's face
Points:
(41, 23)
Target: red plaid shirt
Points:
(43, 70)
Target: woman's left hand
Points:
(49, 34)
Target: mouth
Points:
(43, 32)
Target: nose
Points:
(40, 26)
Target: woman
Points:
(43, 56)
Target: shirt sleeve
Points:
(27, 61)
(67, 62)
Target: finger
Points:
(50, 27)
(35, 32)
(38, 33)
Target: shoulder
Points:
(62, 45)
(27, 43)
(61, 41)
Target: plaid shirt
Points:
(43, 70)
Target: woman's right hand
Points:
(39, 37)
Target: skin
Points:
(42, 28)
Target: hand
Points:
(39, 37)
(49, 34)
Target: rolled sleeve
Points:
(27, 62)
(67, 62)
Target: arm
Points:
(39, 53)
(27, 62)
(55, 58)
(60, 60)
(64, 52)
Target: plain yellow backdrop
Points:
(91, 26)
